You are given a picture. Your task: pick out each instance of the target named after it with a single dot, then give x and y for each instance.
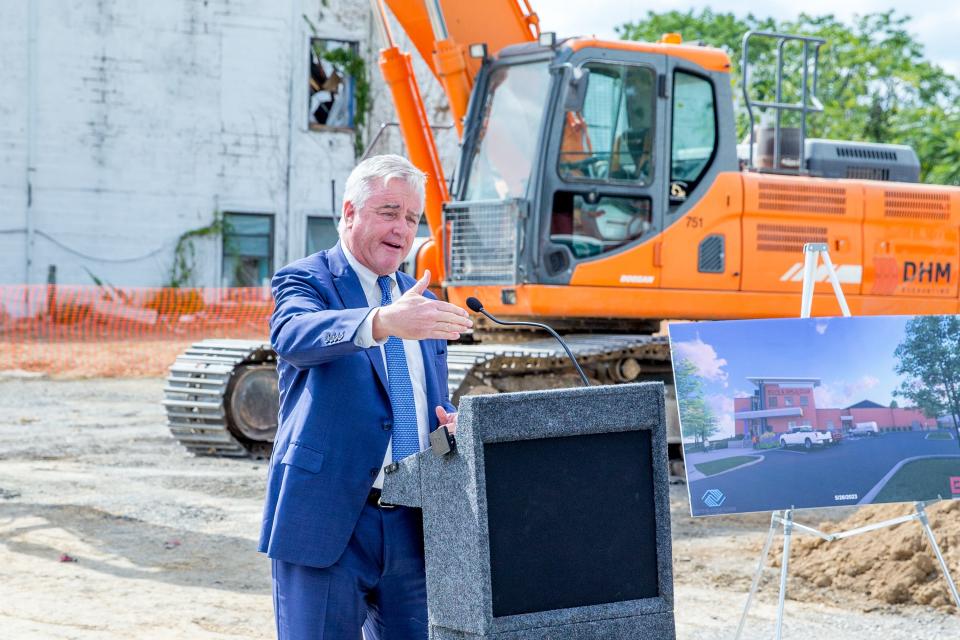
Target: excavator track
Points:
(607, 358)
(221, 397)
(215, 397)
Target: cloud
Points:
(722, 408)
(821, 326)
(838, 395)
(704, 357)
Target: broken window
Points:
(332, 102)
(247, 249)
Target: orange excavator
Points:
(601, 189)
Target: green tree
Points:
(875, 83)
(894, 405)
(930, 358)
(696, 419)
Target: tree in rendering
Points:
(929, 356)
(696, 419)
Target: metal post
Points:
(784, 568)
(744, 83)
(774, 518)
(778, 100)
(922, 516)
(801, 151)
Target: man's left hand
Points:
(448, 420)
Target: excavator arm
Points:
(442, 31)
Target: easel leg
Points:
(784, 568)
(922, 517)
(809, 272)
(758, 573)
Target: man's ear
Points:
(349, 213)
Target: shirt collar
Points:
(368, 279)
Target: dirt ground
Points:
(109, 530)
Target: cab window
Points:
(506, 143)
(694, 134)
(611, 138)
(590, 226)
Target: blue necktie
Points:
(406, 438)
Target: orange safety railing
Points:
(59, 313)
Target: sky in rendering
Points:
(852, 357)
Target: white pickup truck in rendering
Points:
(805, 437)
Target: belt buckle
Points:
(384, 505)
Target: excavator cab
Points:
(580, 150)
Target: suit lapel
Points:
(351, 292)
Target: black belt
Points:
(375, 498)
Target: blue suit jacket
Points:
(335, 415)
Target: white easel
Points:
(812, 252)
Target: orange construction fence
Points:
(60, 313)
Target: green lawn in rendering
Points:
(714, 467)
(939, 435)
(921, 480)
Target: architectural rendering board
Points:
(818, 412)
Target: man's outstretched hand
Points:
(415, 317)
(448, 420)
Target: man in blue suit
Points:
(363, 380)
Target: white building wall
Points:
(149, 117)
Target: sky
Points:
(852, 357)
(935, 22)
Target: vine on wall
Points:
(185, 253)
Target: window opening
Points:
(611, 138)
(694, 133)
(247, 249)
(321, 233)
(332, 102)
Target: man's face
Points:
(380, 234)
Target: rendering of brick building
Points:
(780, 404)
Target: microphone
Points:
(477, 307)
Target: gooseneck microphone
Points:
(477, 307)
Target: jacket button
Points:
(387, 425)
(374, 472)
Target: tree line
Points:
(876, 84)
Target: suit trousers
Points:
(378, 584)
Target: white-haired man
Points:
(363, 380)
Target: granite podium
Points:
(550, 519)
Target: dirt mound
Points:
(893, 565)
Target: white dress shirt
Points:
(364, 339)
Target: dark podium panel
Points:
(560, 512)
(550, 520)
